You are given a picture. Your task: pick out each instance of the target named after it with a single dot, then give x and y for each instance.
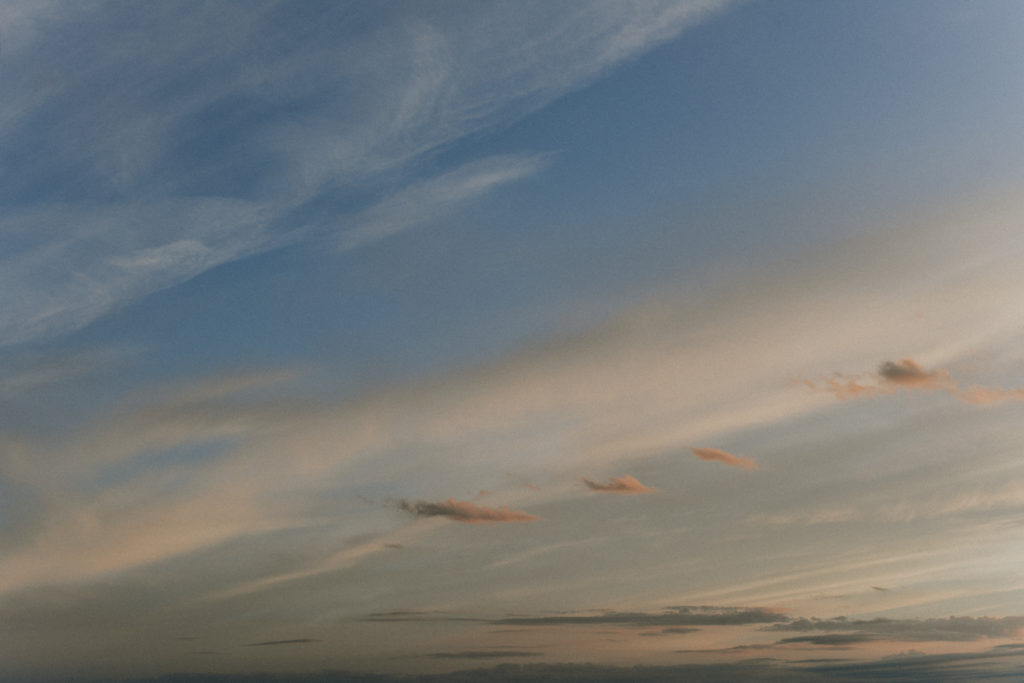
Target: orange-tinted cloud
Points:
(893, 376)
(623, 484)
(461, 511)
(982, 395)
(727, 458)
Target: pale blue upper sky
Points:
(289, 291)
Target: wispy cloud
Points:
(462, 511)
(831, 639)
(484, 654)
(671, 616)
(170, 180)
(907, 374)
(293, 641)
(944, 629)
(623, 484)
(718, 455)
(428, 200)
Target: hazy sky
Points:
(536, 337)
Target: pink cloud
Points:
(894, 376)
(623, 484)
(723, 457)
(461, 511)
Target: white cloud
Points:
(140, 156)
(427, 200)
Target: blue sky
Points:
(415, 337)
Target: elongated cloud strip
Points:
(461, 511)
(946, 629)
(729, 459)
(429, 199)
(624, 484)
(704, 615)
(894, 376)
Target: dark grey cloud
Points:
(946, 629)
(671, 616)
(462, 511)
(908, 373)
(484, 654)
(293, 641)
(623, 484)
(832, 639)
(416, 615)
(998, 664)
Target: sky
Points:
(541, 341)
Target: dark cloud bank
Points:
(1004, 663)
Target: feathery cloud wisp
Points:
(461, 511)
(623, 484)
(729, 459)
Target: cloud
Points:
(831, 639)
(428, 200)
(484, 654)
(293, 641)
(907, 373)
(222, 132)
(893, 376)
(945, 629)
(461, 511)
(729, 459)
(416, 615)
(671, 616)
(624, 484)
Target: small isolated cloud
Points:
(461, 511)
(293, 641)
(623, 484)
(907, 374)
(729, 459)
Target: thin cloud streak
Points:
(951, 629)
(718, 455)
(462, 511)
(293, 641)
(671, 616)
(623, 484)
